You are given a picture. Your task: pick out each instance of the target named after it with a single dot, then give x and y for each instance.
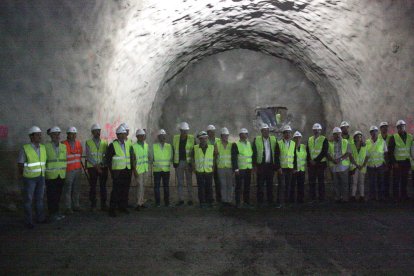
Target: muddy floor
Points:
(355, 238)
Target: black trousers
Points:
(285, 184)
(165, 178)
(205, 187)
(93, 178)
(387, 181)
(400, 181)
(376, 182)
(298, 179)
(243, 179)
(121, 181)
(217, 185)
(53, 192)
(317, 173)
(265, 174)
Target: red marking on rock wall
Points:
(4, 131)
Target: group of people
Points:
(57, 166)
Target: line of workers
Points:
(57, 166)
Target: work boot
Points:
(77, 209)
(93, 209)
(104, 207)
(352, 199)
(361, 199)
(138, 208)
(180, 203)
(190, 203)
(68, 211)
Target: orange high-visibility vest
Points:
(73, 156)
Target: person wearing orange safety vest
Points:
(71, 190)
(32, 166)
(399, 153)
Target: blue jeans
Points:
(33, 190)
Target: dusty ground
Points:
(326, 239)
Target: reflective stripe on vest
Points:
(375, 152)
(55, 165)
(97, 153)
(344, 148)
(121, 160)
(315, 146)
(259, 142)
(301, 158)
(224, 155)
(244, 158)
(402, 150)
(35, 166)
(287, 155)
(204, 161)
(141, 156)
(162, 157)
(359, 157)
(188, 147)
(74, 156)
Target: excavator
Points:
(275, 116)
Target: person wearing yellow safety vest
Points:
(298, 177)
(183, 145)
(161, 157)
(95, 152)
(344, 126)
(263, 163)
(118, 158)
(339, 154)
(376, 152)
(241, 159)
(399, 153)
(127, 140)
(286, 165)
(316, 149)
(212, 140)
(383, 126)
(224, 168)
(358, 166)
(55, 173)
(203, 162)
(32, 166)
(140, 166)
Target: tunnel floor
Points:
(329, 239)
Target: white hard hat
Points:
(357, 133)
(400, 122)
(72, 129)
(243, 130)
(383, 124)
(125, 126)
(202, 134)
(264, 126)
(297, 134)
(140, 131)
(184, 126)
(372, 128)
(211, 127)
(121, 129)
(317, 126)
(286, 128)
(336, 130)
(162, 132)
(344, 124)
(55, 129)
(34, 129)
(225, 131)
(95, 127)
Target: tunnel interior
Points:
(225, 88)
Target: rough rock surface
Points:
(75, 62)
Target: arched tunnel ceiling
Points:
(77, 62)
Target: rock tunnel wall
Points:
(74, 62)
